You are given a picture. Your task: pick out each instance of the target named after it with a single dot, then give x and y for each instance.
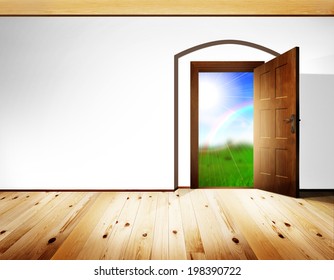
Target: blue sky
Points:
(225, 108)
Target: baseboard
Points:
(183, 187)
(139, 190)
(315, 193)
(316, 190)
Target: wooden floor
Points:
(186, 224)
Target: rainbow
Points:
(225, 118)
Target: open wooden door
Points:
(276, 124)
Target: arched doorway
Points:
(176, 77)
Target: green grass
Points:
(229, 166)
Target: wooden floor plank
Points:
(264, 220)
(326, 205)
(176, 242)
(214, 240)
(63, 228)
(120, 234)
(236, 242)
(27, 247)
(245, 217)
(11, 201)
(141, 239)
(72, 246)
(193, 241)
(19, 227)
(161, 229)
(311, 213)
(186, 224)
(312, 210)
(19, 212)
(314, 235)
(96, 243)
(288, 225)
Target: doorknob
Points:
(292, 120)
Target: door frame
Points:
(184, 53)
(207, 66)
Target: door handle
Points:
(292, 121)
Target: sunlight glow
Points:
(225, 108)
(209, 96)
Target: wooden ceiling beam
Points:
(170, 7)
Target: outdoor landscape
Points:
(226, 110)
(230, 165)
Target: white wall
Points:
(87, 103)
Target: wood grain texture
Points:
(119, 238)
(160, 239)
(141, 239)
(192, 238)
(176, 241)
(46, 230)
(276, 147)
(162, 7)
(186, 224)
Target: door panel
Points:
(276, 124)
